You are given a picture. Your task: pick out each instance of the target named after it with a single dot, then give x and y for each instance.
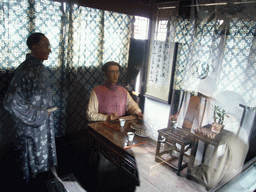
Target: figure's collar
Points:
(111, 86)
(29, 55)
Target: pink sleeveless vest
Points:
(111, 99)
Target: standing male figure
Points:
(110, 101)
(28, 100)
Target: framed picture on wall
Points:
(161, 70)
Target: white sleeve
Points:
(131, 106)
(92, 109)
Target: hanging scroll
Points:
(161, 69)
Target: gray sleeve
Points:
(18, 101)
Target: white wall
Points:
(156, 116)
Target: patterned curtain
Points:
(82, 39)
(217, 52)
(95, 37)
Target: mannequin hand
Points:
(52, 109)
(112, 117)
(140, 116)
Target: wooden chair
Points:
(179, 140)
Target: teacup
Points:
(122, 122)
(130, 136)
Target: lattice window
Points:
(141, 25)
(162, 30)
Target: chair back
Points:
(195, 111)
(192, 113)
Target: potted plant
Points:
(218, 116)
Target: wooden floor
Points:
(157, 177)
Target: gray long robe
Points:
(27, 98)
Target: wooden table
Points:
(111, 140)
(213, 138)
(208, 138)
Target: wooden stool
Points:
(168, 139)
